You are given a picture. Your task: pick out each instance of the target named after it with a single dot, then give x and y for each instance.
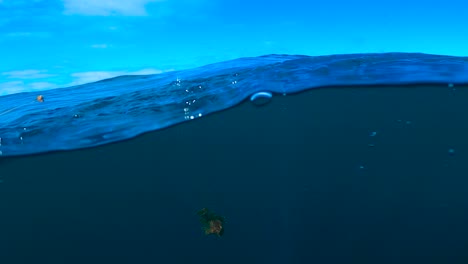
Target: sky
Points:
(46, 44)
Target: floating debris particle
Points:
(212, 223)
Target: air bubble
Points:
(261, 98)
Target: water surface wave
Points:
(126, 106)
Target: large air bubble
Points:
(261, 98)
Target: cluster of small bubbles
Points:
(234, 79)
(189, 116)
(190, 102)
(187, 113)
(191, 90)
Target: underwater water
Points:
(363, 160)
(124, 107)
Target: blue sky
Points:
(47, 44)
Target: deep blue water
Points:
(124, 107)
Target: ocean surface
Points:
(353, 159)
(123, 107)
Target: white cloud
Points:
(147, 71)
(11, 87)
(42, 85)
(22, 34)
(20, 86)
(87, 77)
(107, 7)
(99, 46)
(27, 74)
(23, 81)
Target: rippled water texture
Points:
(123, 107)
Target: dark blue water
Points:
(347, 174)
(124, 107)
